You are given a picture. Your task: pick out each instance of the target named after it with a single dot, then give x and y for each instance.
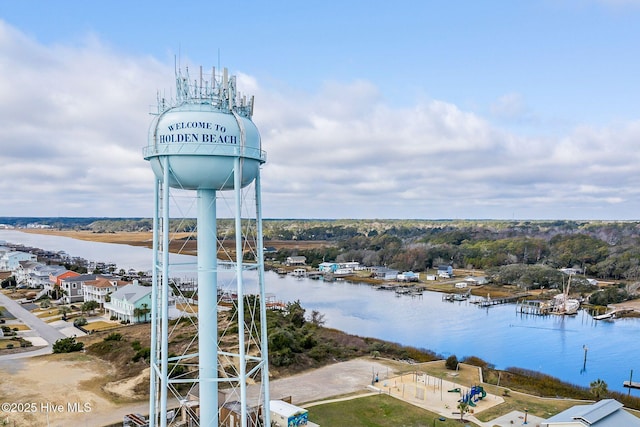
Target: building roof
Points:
(605, 413)
(82, 278)
(103, 282)
(131, 293)
(285, 409)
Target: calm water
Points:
(549, 344)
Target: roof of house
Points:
(285, 409)
(65, 274)
(605, 413)
(82, 278)
(103, 282)
(131, 293)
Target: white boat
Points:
(562, 304)
(299, 272)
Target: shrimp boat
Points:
(562, 304)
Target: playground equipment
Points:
(475, 393)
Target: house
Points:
(24, 270)
(36, 275)
(384, 273)
(72, 287)
(408, 276)
(328, 267)
(56, 278)
(296, 260)
(10, 260)
(571, 271)
(445, 271)
(476, 281)
(350, 265)
(100, 288)
(605, 413)
(129, 302)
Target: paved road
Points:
(41, 328)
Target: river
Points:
(554, 345)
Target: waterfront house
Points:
(476, 280)
(445, 271)
(408, 276)
(384, 273)
(129, 302)
(101, 288)
(296, 260)
(327, 267)
(605, 413)
(11, 260)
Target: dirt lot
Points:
(56, 390)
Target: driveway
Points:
(38, 327)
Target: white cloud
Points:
(75, 119)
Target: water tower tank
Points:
(202, 133)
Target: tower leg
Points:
(208, 308)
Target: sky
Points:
(422, 109)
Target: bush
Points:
(80, 321)
(143, 353)
(451, 362)
(67, 345)
(114, 336)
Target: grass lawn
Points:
(18, 326)
(377, 411)
(101, 326)
(4, 342)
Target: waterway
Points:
(554, 345)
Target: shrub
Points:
(80, 321)
(143, 353)
(114, 336)
(451, 362)
(67, 345)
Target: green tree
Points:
(64, 310)
(451, 362)
(143, 310)
(89, 306)
(463, 406)
(598, 388)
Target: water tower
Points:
(203, 143)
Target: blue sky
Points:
(407, 109)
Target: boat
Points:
(564, 305)
(299, 272)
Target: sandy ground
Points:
(57, 390)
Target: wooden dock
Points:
(631, 384)
(501, 300)
(613, 313)
(539, 308)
